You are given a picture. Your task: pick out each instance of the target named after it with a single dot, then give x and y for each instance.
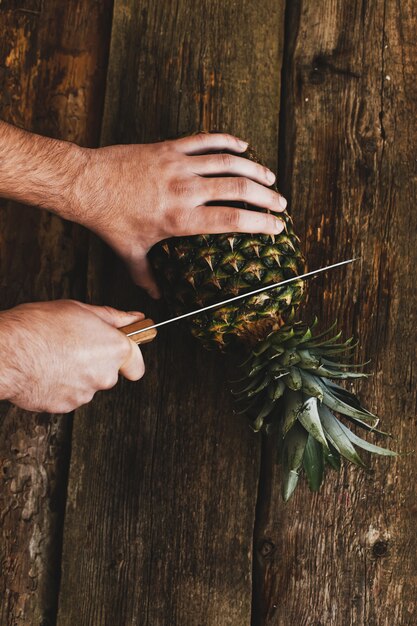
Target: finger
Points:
(225, 163)
(244, 190)
(204, 142)
(133, 367)
(142, 275)
(112, 316)
(220, 219)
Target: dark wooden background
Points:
(156, 505)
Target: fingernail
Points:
(243, 144)
(279, 226)
(270, 176)
(136, 313)
(282, 202)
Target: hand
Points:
(135, 195)
(56, 355)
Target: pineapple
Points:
(289, 373)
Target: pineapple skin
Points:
(200, 270)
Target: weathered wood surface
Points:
(52, 70)
(348, 555)
(163, 481)
(163, 477)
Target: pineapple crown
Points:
(290, 388)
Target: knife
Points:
(145, 330)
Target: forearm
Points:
(9, 368)
(39, 171)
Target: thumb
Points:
(142, 275)
(114, 317)
(133, 367)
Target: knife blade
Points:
(144, 327)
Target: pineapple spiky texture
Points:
(289, 376)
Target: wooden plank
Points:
(347, 556)
(52, 69)
(163, 475)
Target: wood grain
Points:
(347, 556)
(163, 475)
(52, 68)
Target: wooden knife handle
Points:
(146, 336)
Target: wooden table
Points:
(156, 505)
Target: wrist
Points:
(86, 201)
(66, 199)
(59, 191)
(38, 170)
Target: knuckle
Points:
(241, 186)
(228, 138)
(109, 309)
(233, 219)
(119, 354)
(274, 200)
(180, 187)
(86, 397)
(226, 160)
(266, 172)
(125, 348)
(201, 137)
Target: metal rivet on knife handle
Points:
(145, 336)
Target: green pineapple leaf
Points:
(293, 452)
(311, 385)
(313, 463)
(338, 437)
(293, 379)
(345, 406)
(309, 417)
(332, 457)
(276, 390)
(369, 447)
(293, 403)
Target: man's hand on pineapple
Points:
(135, 195)
(56, 355)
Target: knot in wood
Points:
(266, 548)
(379, 549)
